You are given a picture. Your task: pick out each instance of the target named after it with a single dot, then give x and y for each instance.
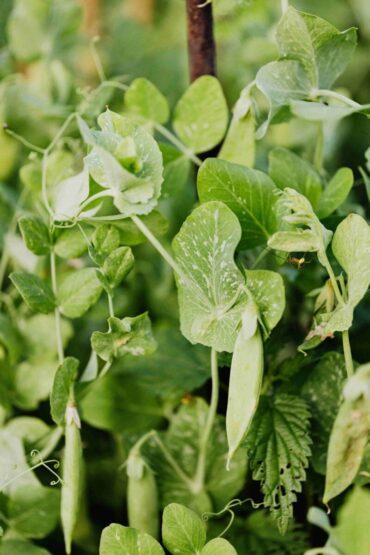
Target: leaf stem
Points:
(319, 148)
(110, 305)
(204, 440)
(157, 245)
(337, 96)
(284, 6)
(24, 141)
(96, 59)
(178, 144)
(58, 323)
(104, 370)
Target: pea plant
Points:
(184, 355)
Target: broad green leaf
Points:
(349, 435)
(69, 196)
(64, 379)
(183, 531)
(351, 247)
(118, 265)
(33, 381)
(182, 439)
(106, 239)
(239, 144)
(302, 240)
(78, 292)
(352, 530)
(322, 50)
(245, 383)
(281, 82)
(317, 111)
(127, 336)
(201, 114)
(32, 431)
(35, 292)
(268, 292)
(287, 169)
(25, 29)
(323, 392)
(13, 464)
(144, 99)
(43, 344)
(249, 193)
(35, 234)
(278, 447)
(121, 540)
(131, 235)
(218, 546)
(335, 193)
(33, 512)
(70, 243)
(21, 547)
(176, 171)
(210, 286)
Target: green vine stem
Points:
(204, 440)
(319, 148)
(335, 95)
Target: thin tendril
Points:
(35, 453)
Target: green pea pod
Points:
(245, 383)
(142, 496)
(72, 466)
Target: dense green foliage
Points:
(184, 349)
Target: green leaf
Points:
(127, 336)
(20, 547)
(239, 144)
(201, 114)
(106, 239)
(35, 292)
(10, 338)
(176, 171)
(35, 234)
(349, 435)
(64, 379)
(130, 234)
(335, 193)
(121, 540)
(218, 546)
(184, 533)
(78, 292)
(250, 194)
(322, 50)
(278, 450)
(33, 512)
(33, 381)
(182, 439)
(316, 111)
(323, 392)
(144, 99)
(268, 292)
(211, 295)
(70, 243)
(118, 265)
(352, 530)
(351, 247)
(287, 169)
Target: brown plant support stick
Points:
(201, 45)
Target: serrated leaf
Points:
(144, 99)
(210, 287)
(323, 391)
(118, 265)
(335, 193)
(287, 169)
(64, 379)
(127, 336)
(78, 292)
(35, 292)
(35, 234)
(349, 435)
(183, 531)
(249, 193)
(278, 447)
(121, 540)
(201, 114)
